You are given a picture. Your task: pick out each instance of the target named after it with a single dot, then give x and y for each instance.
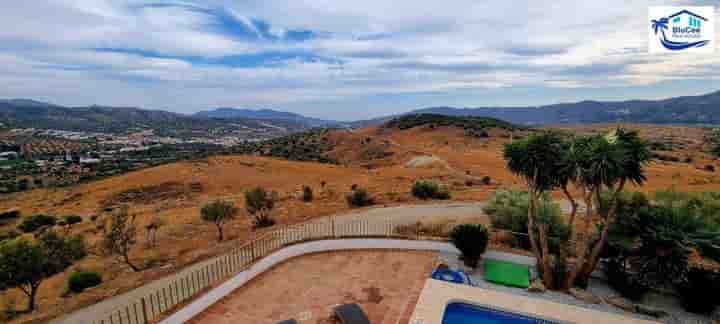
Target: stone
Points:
(650, 311)
(536, 287)
(585, 296)
(621, 303)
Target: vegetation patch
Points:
(473, 126)
(153, 193)
(312, 145)
(427, 189)
(34, 222)
(81, 280)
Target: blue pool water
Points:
(460, 313)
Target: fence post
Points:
(332, 224)
(144, 309)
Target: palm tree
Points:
(535, 159)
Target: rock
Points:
(585, 296)
(536, 287)
(650, 311)
(621, 303)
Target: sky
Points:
(342, 60)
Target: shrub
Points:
(486, 180)
(33, 223)
(471, 240)
(359, 198)
(710, 168)
(81, 280)
(426, 189)
(8, 216)
(698, 292)
(8, 235)
(307, 194)
(508, 210)
(72, 219)
(624, 282)
(259, 203)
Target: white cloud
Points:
(375, 47)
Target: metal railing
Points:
(162, 301)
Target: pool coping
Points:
(436, 295)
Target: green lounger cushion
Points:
(507, 273)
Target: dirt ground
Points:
(307, 288)
(374, 158)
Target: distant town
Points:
(32, 158)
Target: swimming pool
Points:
(461, 313)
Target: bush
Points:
(307, 194)
(508, 210)
(72, 219)
(8, 216)
(710, 168)
(698, 292)
(359, 197)
(486, 180)
(81, 280)
(625, 283)
(426, 189)
(471, 240)
(8, 235)
(259, 203)
(33, 223)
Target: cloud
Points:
(188, 55)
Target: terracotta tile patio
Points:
(386, 284)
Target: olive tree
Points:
(218, 212)
(120, 237)
(25, 264)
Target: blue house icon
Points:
(692, 19)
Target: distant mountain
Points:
(23, 113)
(265, 114)
(703, 109)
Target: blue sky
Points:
(338, 59)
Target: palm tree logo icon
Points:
(660, 25)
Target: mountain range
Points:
(26, 113)
(702, 109)
(265, 114)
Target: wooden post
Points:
(332, 223)
(143, 304)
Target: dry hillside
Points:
(384, 160)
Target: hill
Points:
(385, 160)
(22, 113)
(700, 110)
(265, 114)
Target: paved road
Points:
(401, 214)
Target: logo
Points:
(681, 29)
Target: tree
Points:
(120, 236)
(22, 265)
(535, 159)
(259, 204)
(219, 212)
(610, 163)
(593, 164)
(26, 264)
(151, 230)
